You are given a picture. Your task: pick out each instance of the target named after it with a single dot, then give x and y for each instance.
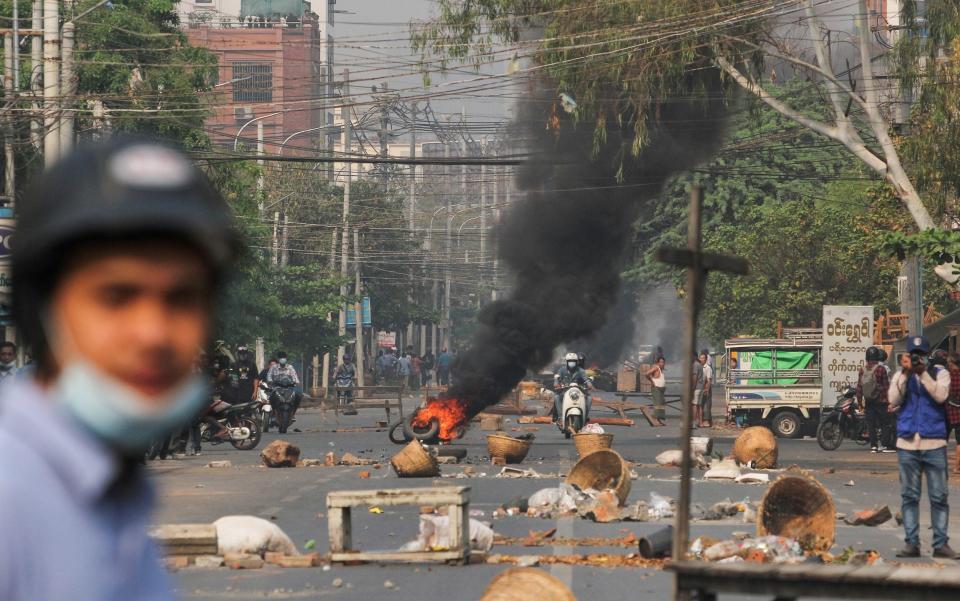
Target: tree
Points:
(647, 50)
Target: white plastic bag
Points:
(592, 429)
(660, 506)
(674, 457)
(435, 535)
(250, 534)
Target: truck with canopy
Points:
(774, 382)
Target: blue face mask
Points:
(121, 417)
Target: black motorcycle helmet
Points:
(874, 354)
(125, 189)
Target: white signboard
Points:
(847, 334)
(386, 339)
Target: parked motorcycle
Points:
(283, 400)
(573, 409)
(265, 410)
(242, 423)
(842, 421)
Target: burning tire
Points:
(428, 435)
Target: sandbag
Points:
(250, 534)
(435, 534)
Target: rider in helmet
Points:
(122, 247)
(570, 372)
(281, 369)
(346, 376)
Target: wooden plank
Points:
(398, 556)
(451, 495)
(184, 534)
(339, 529)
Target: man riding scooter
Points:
(282, 371)
(345, 377)
(569, 373)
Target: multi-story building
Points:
(275, 68)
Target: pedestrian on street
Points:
(403, 370)
(415, 371)
(427, 366)
(917, 393)
(698, 383)
(658, 382)
(444, 362)
(705, 390)
(121, 250)
(953, 405)
(873, 384)
(8, 361)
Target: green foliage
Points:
(802, 256)
(616, 60)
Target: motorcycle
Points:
(573, 409)
(344, 387)
(241, 421)
(842, 421)
(283, 399)
(265, 410)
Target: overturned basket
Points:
(797, 506)
(602, 469)
(414, 461)
(756, 444)
(512, 450)
(587, 443)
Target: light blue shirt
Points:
(70, 526)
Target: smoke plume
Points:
(567, 241)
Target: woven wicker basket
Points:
(512, 450)
(413, 461)
(757, 444)
(523, 584)
(587, 443)
(798, 507)
(602, 469)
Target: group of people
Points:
(412, 370)
(702, 388)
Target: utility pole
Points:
(9, 164)
(284, 237)
(345, 248)
(447, 280)
(496, 205)
(412, 201)
(260, 166)
(68, 84)
(483, 225)
(326, 356)
(51, 81)
(358, 308)
(36, 73)
(275, 240)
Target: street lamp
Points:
(460, 230)
(236, 139)
(337, 128)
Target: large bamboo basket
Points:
(587, 443)
(523, 584)
(512, 450)
(602, 469)
(798, 507)
(413, 461)
(757, 444)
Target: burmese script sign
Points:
(847, 333)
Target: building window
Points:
(252, 82)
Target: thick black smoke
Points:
(567, 241)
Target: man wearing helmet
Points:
(570, 372)
(121, 248)
(345, 376)
(872, 385)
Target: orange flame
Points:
(450, 413)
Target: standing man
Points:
(444, 362)
(658, 382)
(917, 394)
(8, 361)
(706, 390)
(247, 377)
(698, 383)
(121, 250)
(873, 384)
(403, 370)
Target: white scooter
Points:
(573, 409)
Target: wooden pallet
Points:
(339, 523)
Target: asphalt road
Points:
(295, 499)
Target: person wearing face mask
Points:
(570, 372)
(122, 248)
(8, 360)
(283, 370)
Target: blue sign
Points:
(367, 315)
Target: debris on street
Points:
(280, 453)
(526, 583)
(435, 535)
(220, 464)
(763, 549)
(601, 470)
(186, 539)
(756, 447)
(414, 461)
(870, 517)
(250, 534)
(657, 544)
(798, 507)
(508, 448)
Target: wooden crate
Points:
(626, 380)
(455, 498)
